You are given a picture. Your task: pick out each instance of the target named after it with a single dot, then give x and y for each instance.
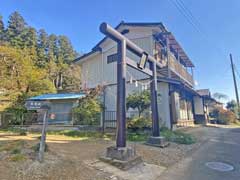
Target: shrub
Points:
(89, 109)
(177, 136)
(139, 123)
(224, 116)
(139, 100)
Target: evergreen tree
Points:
(1, 29)
(42, 44)
(30, 37)
(32, 53)
(52, 48)
(66, 53)
(15, 30)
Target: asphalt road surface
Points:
(222, 145)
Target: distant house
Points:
(61, 106)
(209, 104)
(178, 101)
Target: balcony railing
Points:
(179, 70)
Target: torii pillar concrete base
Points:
(122, 157)
(157, 141)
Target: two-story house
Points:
(177, 100)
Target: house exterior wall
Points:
(97, 71)
(198, 105)
(175, 106)
(60, 111)
(163, 104)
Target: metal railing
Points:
(106, 119)
(110, 118)
(179, 70)
(34, 118)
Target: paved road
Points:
(223, 145)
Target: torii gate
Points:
(124, 44)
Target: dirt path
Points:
(67, 156)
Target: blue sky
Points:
(80, 20)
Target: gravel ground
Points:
(66, 156)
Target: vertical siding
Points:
(198, 105)
(91, 71)
(144, 43)
(109, 70)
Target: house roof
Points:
(204, 92)
(57, 96)
(172, 40)
(85, 55)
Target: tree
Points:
(52, 48)
(232, 106)
(220, 96)
(18, 73)
(42, 44)
(34, 63)
(1, 29)
(66, 53)
(71, 78)
(15, 29)
(89, 109)
(140, 101)
(29, 37)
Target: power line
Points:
(190, 14)
(181, 10)
(194, 22)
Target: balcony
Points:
(178, 71)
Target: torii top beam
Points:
(117, 36)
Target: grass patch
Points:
(16, 151)
(171, 136)
(80, 134)
(18, 157)
(177, 136)
(12, 145)
(137, 136)
(18, 131)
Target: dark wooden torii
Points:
(124, 44)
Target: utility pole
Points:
(234, 80)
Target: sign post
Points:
(44, 106)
